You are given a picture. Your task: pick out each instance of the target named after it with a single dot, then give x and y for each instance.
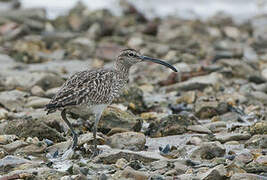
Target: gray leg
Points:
(74, 135)
(97, 118)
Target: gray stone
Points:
(37, 91)
(10, 162)
(127, 140)
(238, 68)
(199, 128)
(128, 174)
(224, 137)
(26, 80)
(247, 176)
(197, 83)
(219, 173)
(257, 141)
(37, 102)
(13, 100)
(11, 147)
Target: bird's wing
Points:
(91, 87)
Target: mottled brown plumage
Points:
(96, 89)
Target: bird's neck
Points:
(122, 67)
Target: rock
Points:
(88, 139)
(37, 91)
(238, 68)
(224, 137)
(13, 100)
(32, 149)
(229, 117)
(9, 162)
(26, 80)
(218, 172)
(114, 117)
(121, 163)
(81, 48)
(37, 102)
(208, 150)
(31, 128)
(246, 176)
(231, 32)
(11, 147)
(111, 156)
(5, 139)
(194, 141)
(3, 113)
(264, 73)
(130, 174)
(261, 96)
(262, 160)
(244, 158)
(197, 83)
(206, 107)
(132, 97)
(51, 92)
(108, 51)
(199, 128)
(188, 97)
(170, 125)
(257, 141)
(135, 42)
(215, 126)
(3, 153)
(127, 140)
(259, 128)
(257, 166)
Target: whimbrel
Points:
(95, 89)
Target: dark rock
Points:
(208, 150)
(132, 97)
(114, 117)
(170, 125)
(31, 128)
(112, 156)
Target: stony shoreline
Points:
(207, 122)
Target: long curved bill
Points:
(145, 58)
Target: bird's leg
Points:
(97, 118)
(74, 135)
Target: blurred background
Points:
(240, 10)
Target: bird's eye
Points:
(131, 54)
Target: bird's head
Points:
(129, 57)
